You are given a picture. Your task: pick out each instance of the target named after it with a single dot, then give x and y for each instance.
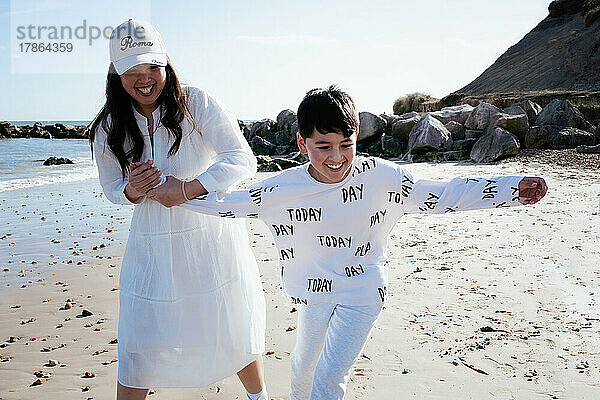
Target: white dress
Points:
(192, 309)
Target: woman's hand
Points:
(168, 194)
(142, 177)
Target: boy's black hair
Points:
(327, 110)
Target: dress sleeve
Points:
(459, 194)
(237, 204)
(109, 170)
(234, 160)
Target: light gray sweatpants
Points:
(329, 339)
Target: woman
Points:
(191, 303)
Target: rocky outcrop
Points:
(589, 149)
(517, 124)
(457, 130)
(402, 126)
(483, 133)
(38, 130)
(560, 53)
(458, 114)
(429, 134)
(371, 125)
(481, 117)
(531, 109)
(57, 161)
(493, 146)
(554, 137)
(270, 164)
(562, 113)
(261, 146)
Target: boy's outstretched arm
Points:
(461, 194)
(237, 204)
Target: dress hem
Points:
(244, 365)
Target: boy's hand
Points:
(531, 190)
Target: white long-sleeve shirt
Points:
(331, 237)
(217, 149)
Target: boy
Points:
(330, 220)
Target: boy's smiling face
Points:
(330, 154)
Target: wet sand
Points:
(482, 304)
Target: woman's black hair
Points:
(123, 126)
(327, 110)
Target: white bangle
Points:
(183, 191)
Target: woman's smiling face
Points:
(144, 83)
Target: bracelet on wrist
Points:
(183, 191)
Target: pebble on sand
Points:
(86, 313)
(38, 382)
(89, 375)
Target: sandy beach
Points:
(489, 304)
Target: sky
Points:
(258, 57)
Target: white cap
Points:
(136, 42)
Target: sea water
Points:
(52, 216)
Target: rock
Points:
(261, 146)
(464, 144)
(86, 313)
(402, 127)
(589, 149)
(371, 125)
(262, 127)
(457, 130)
(517, 124)
(57, 161)
(113, 341)
(473, 133)
(266, 164)
(494, 146)
(389, 119)
(68, 306)
(562, 113)
(286, 163)
(556, 137)
(297, 156)
(39, 381)
(456, 155)
(392, 146)
(531, 109)
(429, 134)
(409, 115)
(281, 138)
(52, 363)
(417, 158)
(570, 138)
(370, 146)
(285, 120)
(482, 116)
(89, 375)
(283, 150)
(458, 113)
(245, 127)
(513, 109)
